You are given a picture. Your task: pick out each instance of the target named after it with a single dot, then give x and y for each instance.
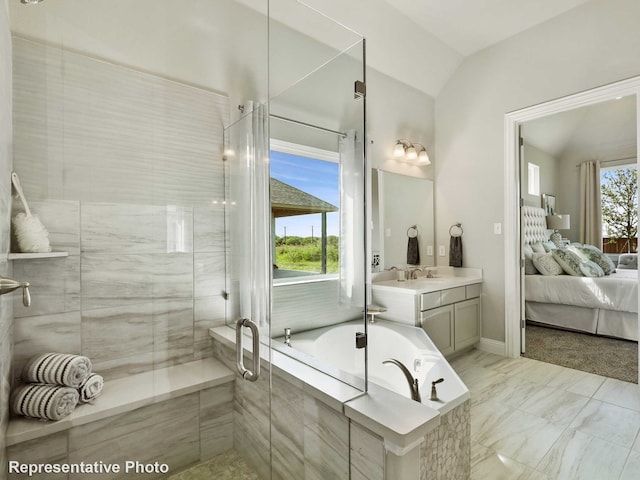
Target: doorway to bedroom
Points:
(575, 228)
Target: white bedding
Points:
(618, 291)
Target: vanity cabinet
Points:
(450, 316)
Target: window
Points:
(304, 210)
(533, 176)
(619, 199)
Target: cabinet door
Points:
(467, 323)
(438, 323)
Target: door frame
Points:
(512, 238)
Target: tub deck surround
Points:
(444, 277)
(127, 394)
(386, 339)
(399, 420)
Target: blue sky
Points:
(316, 177)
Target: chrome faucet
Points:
(287, 337)
(413, 382)
(8, 285)
(429, 273)
(413, 273)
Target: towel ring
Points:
(412, 231)
(453, 232)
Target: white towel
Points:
(57, 369)
(50, 402)
(91, 388)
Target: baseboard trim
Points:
(492, 346)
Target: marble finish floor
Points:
(226, 466)
(536, 421)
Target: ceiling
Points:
(422, 42)
(468, 26)
(604, 131)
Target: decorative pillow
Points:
(529, 268)
(546, 265)
(573, 249)
(537, 247)
(569, 261)
(595, 255)
(548, 246)
(591, 269)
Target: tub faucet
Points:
(434, 392)
(287, 337)
(413, 382)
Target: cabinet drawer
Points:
(452, 295)
(474, 290)
(430, 300)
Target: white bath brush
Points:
(31, 234)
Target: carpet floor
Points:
(609, 357)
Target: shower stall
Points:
(143, 133)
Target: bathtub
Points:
(334, 347)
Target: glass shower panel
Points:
(318, 192)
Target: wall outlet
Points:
(387, 232)
(442, 251)
(430, 250)
(497, 228)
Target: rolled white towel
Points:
(57, 369)
(51, 402)
(91, 388)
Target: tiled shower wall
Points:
(124, 168)
(6, 315)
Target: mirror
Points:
(398, 203)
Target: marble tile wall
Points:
(179, 432)
(6, 314)
(309, 439)
(123, 168)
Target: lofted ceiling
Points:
(422, 42)
(604, 131)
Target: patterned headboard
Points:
(534, 225)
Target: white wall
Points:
(549, 170)
(592, 45)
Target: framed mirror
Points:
(402, 206)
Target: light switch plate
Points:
(430, 250)
(442, 251)
(497, 228)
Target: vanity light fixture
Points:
(407, 150)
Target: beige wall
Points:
(592, 45)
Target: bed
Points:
(606, 305)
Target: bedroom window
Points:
(533, 175)
(619, 199)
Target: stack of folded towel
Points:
(54, 384)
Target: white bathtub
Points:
(335, 347)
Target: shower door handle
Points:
(251, 375)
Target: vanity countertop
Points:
(444, 277)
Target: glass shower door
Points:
(248, 280)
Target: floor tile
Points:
(487, 464)
(554, 405)
(619, 393)
(577, 455)
(608, 422)
(524, 437)
(632, 467)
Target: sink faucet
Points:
(413, 273)
(413, 382)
